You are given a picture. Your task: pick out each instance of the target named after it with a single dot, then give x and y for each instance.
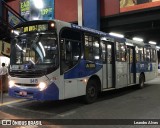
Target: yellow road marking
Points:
(10, 102)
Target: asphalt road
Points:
(123, 106)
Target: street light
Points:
(152, 42)
(138, 39)
(116, 34)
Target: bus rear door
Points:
(131, 65)
(108, 64)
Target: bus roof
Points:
(100, 33)
(66, 24)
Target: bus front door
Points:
(131, 65)
(108, 59)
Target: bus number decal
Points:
(33, 81)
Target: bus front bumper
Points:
(50, 93)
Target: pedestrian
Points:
(3, 76)
(3, 70)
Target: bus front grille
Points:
(27, 85)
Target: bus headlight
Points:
(42, 86)
(11, 83)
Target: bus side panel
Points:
(121, 74)
(152, 73)
(75, 79)
(149, 70)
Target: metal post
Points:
(1, 90)
(80, 12)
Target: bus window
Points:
(70, 48)
(92, 48)
(153, 55)
(96, 49)
(139, 54)
(109, 55)
(147, 54)
(103, 52)
(70, 53)
(121, 52)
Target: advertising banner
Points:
(25, 9)
(127, 3)
(37, 9)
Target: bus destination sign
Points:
(32, 28)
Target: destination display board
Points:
(32, 28)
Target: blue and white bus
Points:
(55, 60)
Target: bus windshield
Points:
(34, 51)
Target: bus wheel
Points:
(141, 81)
(91, 92)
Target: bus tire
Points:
(141, 81)
(91, 92)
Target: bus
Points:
(56, 60)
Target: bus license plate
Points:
(23, 93)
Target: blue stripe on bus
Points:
(142, 67)
(81, 70)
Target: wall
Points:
(66, 11)
(109, 7)
(15, 4)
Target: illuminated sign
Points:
(32, 28)
(25, 8)
(37, 9)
